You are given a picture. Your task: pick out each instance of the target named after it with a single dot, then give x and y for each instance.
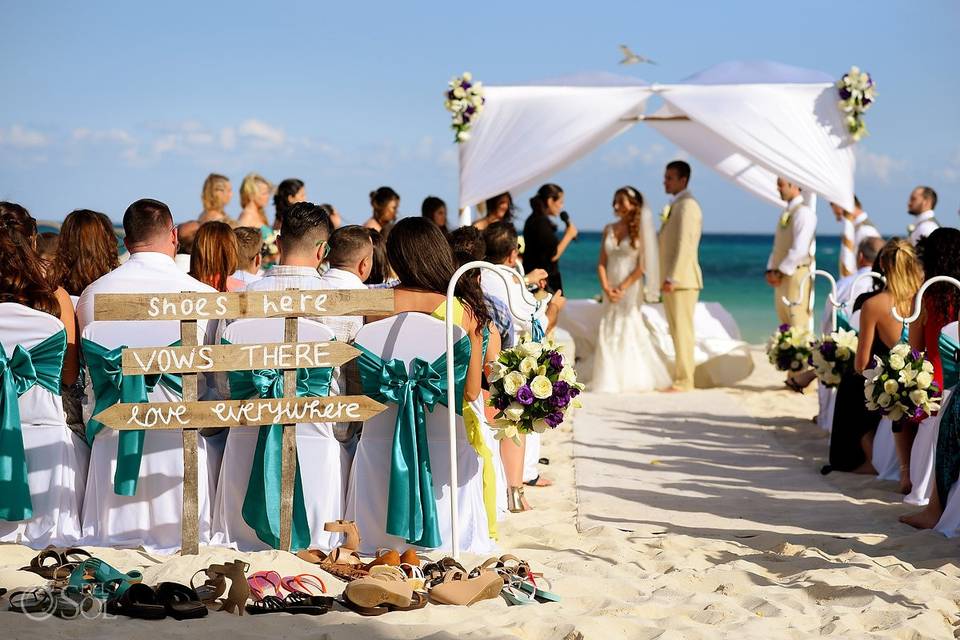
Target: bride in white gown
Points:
(626, 358)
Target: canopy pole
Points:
(642, 118)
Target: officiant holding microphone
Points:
(543, 248)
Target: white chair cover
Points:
(922, 458)
(151, 518)
(324, 464)
(56, 458)
(949, 523)
(407, 336)
(828, 399)
(885, 459)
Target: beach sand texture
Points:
(673, 516)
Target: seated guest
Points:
(303, 244)
(468, 245)
(940, 254)
(43, 463)
(214, 257)
(186, 233)
(381, 275)
(435, 210)
(135, 499)
(289, 192)
(249, 254)
(47, 246)
(851, 442)
(87, 251)
(350, 260)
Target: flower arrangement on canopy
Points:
(464, 99)
(857, 92)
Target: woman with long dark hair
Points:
(289, 192)
(215, 256)
(384, 202)
(543, 248)
(86, 250)
(499, 208)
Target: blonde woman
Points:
(255, 192)
(626, 359)
(216, 195)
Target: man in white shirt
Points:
(350, 260)
(923, 200)
(857, 227)
(794, 246)
(249, 254)
(304, 244)
(849, 288)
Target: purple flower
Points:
(559, 402)
(561, 388)
(556, 361)
(914, 354)
(844, 93)
(784, 327)
(554, 419)
(867, 102)
(466, 85)
(501, 401)
(450, 94)
(574, 392)
(525, 395)
(470, 110)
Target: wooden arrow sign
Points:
(238, 413)
(245, 304)
(236, 357)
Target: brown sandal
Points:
(349, 529)
(62, 565)
(341, 563)
(239, 591)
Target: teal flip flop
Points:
(542, 595)
(100, 580)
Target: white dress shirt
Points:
(246, 277)
(863, 231)
(344, 327)
(923, 225)
(282, 277)
(144, 272)
(803, 223)
(493, 285)
(183, 261)
(847, 293)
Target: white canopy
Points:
(749, 121)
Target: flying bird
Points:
(629, 57)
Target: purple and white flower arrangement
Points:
(532, 388)
(464, 100)
(901, 385)
(832, 356)
(788, 349)
(857, 92)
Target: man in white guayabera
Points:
(922, 202)
(351, 261)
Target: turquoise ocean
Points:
(733, 266)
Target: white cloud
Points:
(228, 138)
(951, 172)
(118, 136)
(261, 134)
(23, 138)
(878, 166)
(633, 154)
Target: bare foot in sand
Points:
(671, 389)
(539, 481)
(905, 485)
(924, 519)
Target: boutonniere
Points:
(785, 219)
(911, 228)
(665, 213)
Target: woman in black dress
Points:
(851, 439)
(543, 249)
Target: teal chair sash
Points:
(949, 361)
(843, 322)
(41, 365)
(110, 387)
(261, 504)
(411, 505)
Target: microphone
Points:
(566, 220)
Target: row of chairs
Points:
(72, 484)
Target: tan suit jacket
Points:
(680, 244)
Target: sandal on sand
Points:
(385, 556)
(383, 590)
(64, 560)
(349, 529)
(418, 601)
(435, 571)
(261, 581)
(342, 563)
(511, 566)
(35, 600)
(180, 601)
(296, 602)
(100, 580)
(459, 589)
(138, 601)
(303, 583)
(215, 586)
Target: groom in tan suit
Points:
(680, 269)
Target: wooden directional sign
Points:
(247, 304)
(238, 413)
(236, 357)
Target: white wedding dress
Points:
(626, 359)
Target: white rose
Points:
(927, 366)
(891, 386)
(933, 407)
(458, 92)
(530, 348)
(924, 379)
(897, 412)
(513, 381)
(897, 362)
(467, 76)
(884, 400)
(846, 339)
(901, 349)
(541, 387)
(497, 371)
(540, 426)
(528, 365)
(918, 397)
(513, 412)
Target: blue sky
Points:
(107, 102)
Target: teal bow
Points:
(110, 386)
(537, 334)
(411, 505)
(949, 361)
(261, 504)
(843, 322)
(41, 365)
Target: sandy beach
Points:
(672, 516)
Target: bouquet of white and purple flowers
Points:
(832, 356)
(901, 385)
(788, 349)
(532, 389)
(857, 92)
(464, 100)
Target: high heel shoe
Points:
(239, 591)
(349, 529)
(515, 500)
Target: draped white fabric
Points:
(748, 121)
